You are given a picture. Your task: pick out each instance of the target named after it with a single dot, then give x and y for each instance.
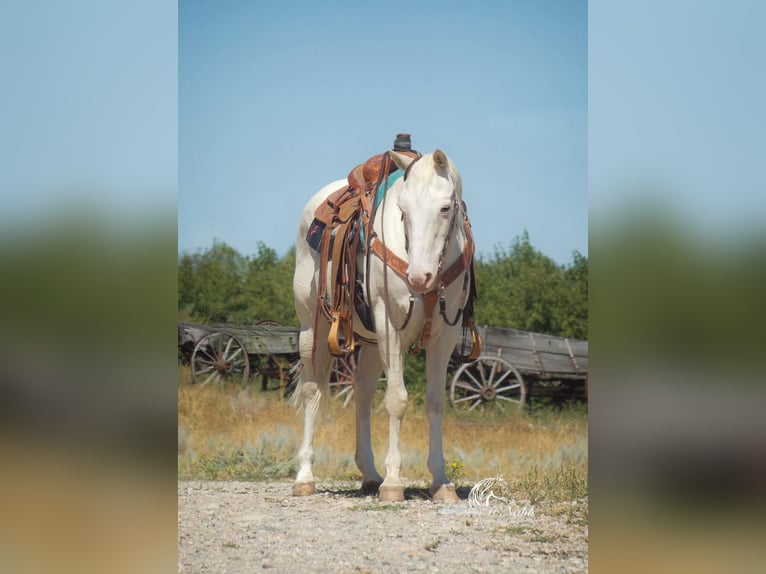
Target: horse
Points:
(421, 233)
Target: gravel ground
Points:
(228, 527)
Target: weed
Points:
(455, 470)
(432, 546)
(577, 514)
(566, 483)
(376, 506)
(515, 530)
(538, 536)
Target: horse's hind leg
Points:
(315, 378)
(366, 375)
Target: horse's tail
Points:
(296, 374)
(318, 399)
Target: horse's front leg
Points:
(366, 376)
(395, 402)
(437, 359)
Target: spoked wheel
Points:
(218, 357)
(487, 383)
(342, 378)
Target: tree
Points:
(211, 283)
(518, 287)
(523, 289)
(268, 293)
(219, 285)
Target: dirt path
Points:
(233, 527)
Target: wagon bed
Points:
(537, 355)
(515, 365)
(260, 339)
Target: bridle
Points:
(451, 228)
(443, 278)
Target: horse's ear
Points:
(441, 162)
(402, 161)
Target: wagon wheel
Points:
(488, 382)
(218, 357)
(342, 378)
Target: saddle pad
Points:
(384, 185)
(315, 234)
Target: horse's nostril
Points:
(419, 280)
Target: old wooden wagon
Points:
(239, 352)
(516, 365)
(225, 351)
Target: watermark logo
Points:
(493, 497)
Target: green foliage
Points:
(221, 285)
(519, 288)
(415, 372)
(523, 289)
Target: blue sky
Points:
(277, 99)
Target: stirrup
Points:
(476, 343)
(341, 338)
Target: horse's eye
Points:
(445, 209)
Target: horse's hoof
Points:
(444, 493)
(391, 493)
(304, 489)
(371, 486)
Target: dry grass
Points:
(240, 433)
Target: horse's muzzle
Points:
(420, 282)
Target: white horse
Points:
(422, 223)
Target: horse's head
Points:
(430, 203)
